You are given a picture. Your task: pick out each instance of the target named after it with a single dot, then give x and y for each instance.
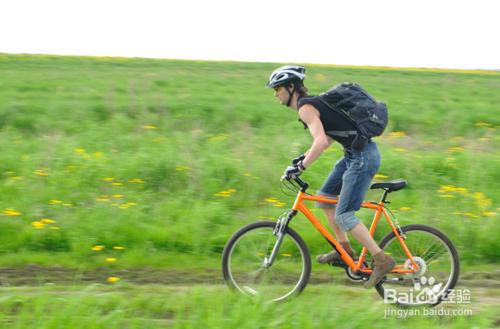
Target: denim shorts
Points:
(349, 181)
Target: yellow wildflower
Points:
(108, 179)
(456, 149)
(449, 196)
(136, 180)
(41, 172)
(117, 184)
(113, 279)
(489, 214)
(381, 176)
(451, 188)
(117, 196)
(247, 174)
(482, 124)
(54, 201)
(38, 225)
(271, 200)
(149, 127)
(118, 248)
(98, 248)
(397, 134)
(405, 208)
(124, 205)
(47, 221)
(12, 212)
(482, 200)
(102, 198)
(110, 260)
(225, 193)
(80, 150)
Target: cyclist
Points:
(351, 176)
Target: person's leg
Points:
(362, 235)
(331, 188)
(341, 235)
(361, 168)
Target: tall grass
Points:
(162, 158)
(155, 306)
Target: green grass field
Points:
(153, 306)
(131, 163)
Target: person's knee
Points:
(346, 221)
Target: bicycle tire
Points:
(410, 231)
(266, 229)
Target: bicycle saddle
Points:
(390, 186)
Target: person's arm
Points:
(310, 116)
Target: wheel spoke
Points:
(437, 261)
(247, 272)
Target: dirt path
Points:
(37, 275)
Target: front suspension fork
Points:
(279, 232)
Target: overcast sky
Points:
(423, 33)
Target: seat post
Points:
(384, 196)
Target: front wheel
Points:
(245, 262)
(438, 264)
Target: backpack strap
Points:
(345, 134)
(345, 100)
(338, 110)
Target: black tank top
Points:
(333, 122)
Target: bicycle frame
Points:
(379, 210)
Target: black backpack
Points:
(353, 102)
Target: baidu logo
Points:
(424, 291)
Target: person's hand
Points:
(292, 172)
(298, 159)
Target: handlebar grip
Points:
(303, 185)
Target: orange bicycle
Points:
(270, 260)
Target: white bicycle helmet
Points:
(286, 74)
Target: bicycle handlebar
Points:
(303, 185)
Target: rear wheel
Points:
(245, 268)
(438, 264)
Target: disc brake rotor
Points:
(422, 267)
